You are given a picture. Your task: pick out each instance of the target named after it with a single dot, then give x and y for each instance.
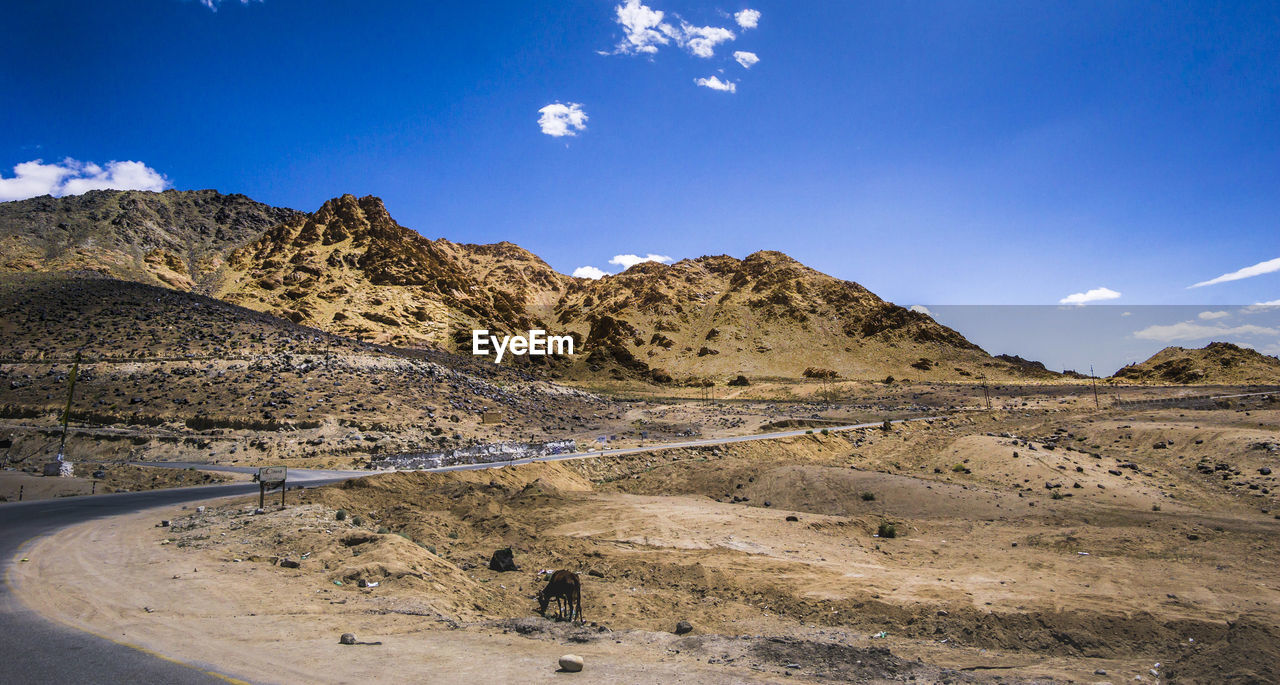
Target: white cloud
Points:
(213, 4)
(746, 59)
(1095, 295)
(714, 83)
(1210, 316)
(643, 28)
(626, 261)
(747, 19)
(921, 309)
(562, 119)
(1189, 330)
(1269, 266)
(702, 40)
(72, 177)
(589, 272)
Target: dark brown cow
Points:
(565, 588)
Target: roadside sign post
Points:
(271, 475)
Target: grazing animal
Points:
(566, 589)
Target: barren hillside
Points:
(1215, 363)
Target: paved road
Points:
(39, 651)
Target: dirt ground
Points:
(1030, 545)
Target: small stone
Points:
(571, 663)
(290, 563)
(1100, 671)
(793, 518)
(199, 510)
(684, 627)
(164, 523)
(347, 639)
(595, 573)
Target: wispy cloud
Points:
(589, 272)
(920, 309)
(214, 4)
(72, 177)
(701, 41)
(746, 59)
(560, 120)
(1269, 266)
(714, 83)
(1190, 330)
(747, 19)
(643, 28)
(626, 261)
(1095, 295)
(1210, 316)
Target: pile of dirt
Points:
(1249, 652)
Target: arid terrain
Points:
(1025, 526)
(1053, 543)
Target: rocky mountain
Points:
(349, 268)
(1218, 363)
(177, 239)
(763, 316)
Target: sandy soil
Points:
(995, 571)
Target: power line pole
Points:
(1096, 403)
(66, 414)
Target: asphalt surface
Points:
(40, 651)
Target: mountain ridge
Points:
(350, 268)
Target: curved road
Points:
(40, 651)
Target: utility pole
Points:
(66, 414)
(1096, 403)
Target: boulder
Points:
(683, 627)
(503, 560)
(571, 663)
(347, 639)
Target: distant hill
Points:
(176, 238)
(1217, 363)
(349, 268)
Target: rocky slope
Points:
(349, 268)
(177, 239)
(169, 374)
(1217, 363)
(764, 316)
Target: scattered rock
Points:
(683, 627)
(793, 518)
(347, 639)
(571, 663)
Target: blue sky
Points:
(936, 152)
